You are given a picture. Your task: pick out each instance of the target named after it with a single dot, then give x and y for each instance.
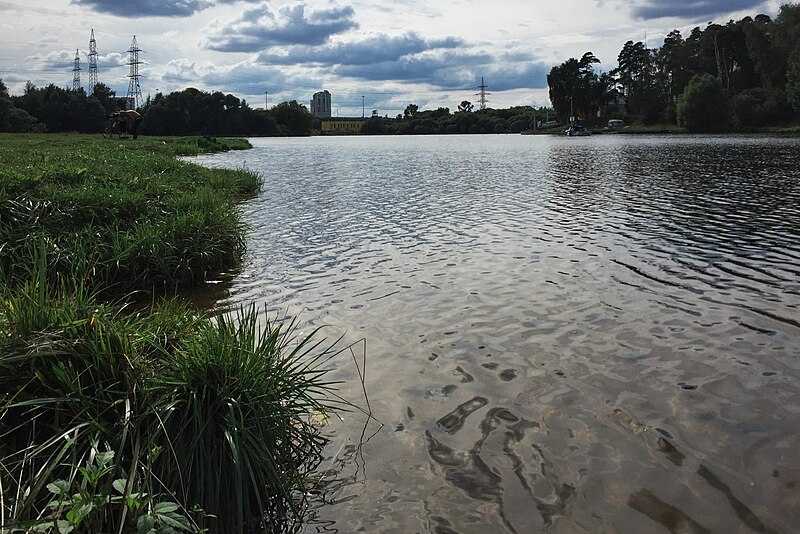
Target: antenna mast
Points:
(92, 63)
(76, 72)
(134, 97)
(482, 94)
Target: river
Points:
(594, 334)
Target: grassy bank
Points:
(124, 215)
(146, 419)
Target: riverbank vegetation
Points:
(128, 213)
(415, 121)
(122, 410)
(187, 112)
(742, 75)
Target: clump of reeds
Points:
(203, 414)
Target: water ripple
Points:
(568, 335)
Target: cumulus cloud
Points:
(446, 63)
(146, 8)
(114, 59)
(691, 9)
(452, 70)
(369, 50)
(293, 24)
(243, 78)
(57, 59)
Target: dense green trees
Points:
(13, 119)
(292, 118)
(191, 111)
(464, 121)
(703, 106)
(760, 106)
(61, 110)
(576, 90)
(755, 60)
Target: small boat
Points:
(577, 130)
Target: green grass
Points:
(149, 417)
(215, 414)
(124, 214)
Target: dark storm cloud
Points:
(295, 24)
(444, 70)
(146, 8)
(373, 49)
(452, 70)
(691, 9)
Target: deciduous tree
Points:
(465, 106)
(703, 106)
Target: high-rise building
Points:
(321, 105)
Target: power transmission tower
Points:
(483, 87)
(76, 72)
(92, 63)
(134, 97)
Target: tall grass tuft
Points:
(196, 412)
(242, 395)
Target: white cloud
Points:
(432, 52)
(293, 24)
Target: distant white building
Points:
(321, 105)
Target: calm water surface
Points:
(565, 335)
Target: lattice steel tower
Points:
(134, 97)
(76, 72)
(483, 100)
(92, 63)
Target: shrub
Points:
(703, 106)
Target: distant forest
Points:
(744, 74)
(191, 111)
(741, 76)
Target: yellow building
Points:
(341, 125)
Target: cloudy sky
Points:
(429, 52)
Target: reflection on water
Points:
(597, 334)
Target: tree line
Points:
(187, 112)
(194, 112)
(464, 121)
(742, 74)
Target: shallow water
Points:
(593, 334)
